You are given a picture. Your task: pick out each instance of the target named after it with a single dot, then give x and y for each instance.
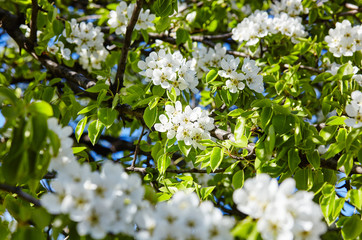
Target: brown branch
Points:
(178, 171)
(17, 190)
(127, 42)
(89, 17)
(306, 67)
(33, 22)
(11, 25)
(137, 147)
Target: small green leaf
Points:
(211, 76)
(314, 159)
(352, 227)
(185, 149)
(216, 157)
(238, 179)
(335, 120)
(150, 116)
(163, 23)
(78, 149)
(115, 100)
(182, 36)
(293, 159)
(87, 109)
(97, 88)
(205, 192)
(95, 129)
(107, 116)
(172, 95)
(41, 107)
(163, 162)
(80, 128)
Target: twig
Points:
(89, 17)
(33, 22)
(137, 147)
(10, 23)
(20, 193)
(127, 42)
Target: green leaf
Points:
(163, 162)
(207, 143)
(87, 109)
(238, 179)
(314, 159)
(206, 191)
(172, 95)
(216, 157)
(80, 128)
(107, 116)
(163, 23)
(182, 36)
(266, 115)
(57, 27)
(211, 75)
(78, 149)
(97, 88)
(115, 100)
(246, 229)
(355, 197)
(352, 227)
(185, 149)
(335, 120)
(150, 116)
(39, 131)
(240, 139)
(163, 8)
(41, 107)
(293, 159)
(95, 129)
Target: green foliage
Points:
(295, 128)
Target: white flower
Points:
(282, 213)
(354, 110)
(53, 49)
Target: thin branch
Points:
(33, 22)
(137, 147)
(305, 67)
(20, 193)
(178, 171)
(11, 25)
(89, 17)
(127, 42)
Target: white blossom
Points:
(282, 213)
(354, 110)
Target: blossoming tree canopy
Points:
(180, 120)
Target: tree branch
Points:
(11, 25)
(127, 42)
(33, 22)
(137, 147)
(20, 193)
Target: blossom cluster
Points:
(119, 19)
(182, 218)
(169, 71)
(357, 77)
(354, 110)
(344, 40)
(291, 7)
(189, 125)
(282, 213)
(89, 44)
(205, 58)
(249, 74)
(260, 24)
(100, 202)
